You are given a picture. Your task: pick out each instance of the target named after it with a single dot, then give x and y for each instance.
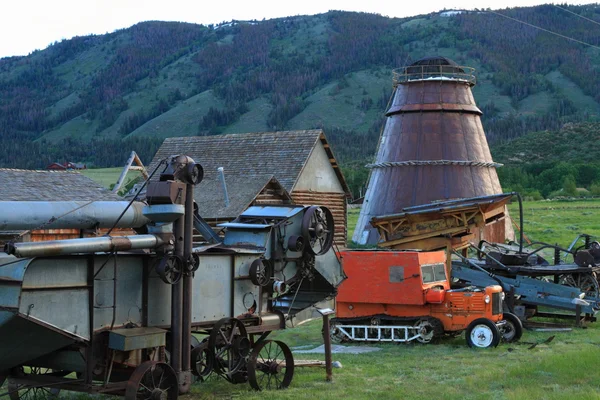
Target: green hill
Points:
(94, 99)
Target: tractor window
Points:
(433, 273)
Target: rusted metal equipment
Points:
(517, 268)
(116, 315)
(448, 224)
(433, 147)
(401, 296)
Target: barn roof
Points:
(282, 154)
(210, 197)
(32, 185)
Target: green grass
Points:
(255, 120)
(181, 120)
(109, 176)
(77, 128)
(564, 369)
(558, 222)
(580, 100)
(339, 107)
(486, 92)
(538, 103)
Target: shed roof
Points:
(241, 190)
(282, 154)
(50, 185)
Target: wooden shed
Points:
(300, 161)
(49, 185)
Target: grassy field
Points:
(558, 222)
(566, 368)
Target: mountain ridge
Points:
(94, 98)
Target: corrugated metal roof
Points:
(32, 185)
(282, 154)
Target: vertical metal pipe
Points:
(177, 302)
(187, 277)
(520, 222)
(327, 343)
(221, 171)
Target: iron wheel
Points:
(17, 391)
(152, 380)
(202, 362)
(229, 348)
(585, 282)
(271, 366)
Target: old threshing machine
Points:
(117, 315)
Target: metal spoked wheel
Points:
(202, 361)
(585, 282)
(482, 333)
(271, 366)
(318, 230)
(229, 347)
(17, 391)
(152, 380)
(426, 331)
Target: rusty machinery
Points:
(116, 315)
(528, 280)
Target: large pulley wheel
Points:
(318, 230)
(271, 365)
(18, 391)
(202, 361)
(259, 273)
(586, 282)
(170, 269)
(229, 347)
(152, 380)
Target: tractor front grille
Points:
(496, 303)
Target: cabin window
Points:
(433, 273)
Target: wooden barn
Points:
(264, 168)
(30, 185)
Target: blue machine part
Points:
(271, 212)
(530, 291)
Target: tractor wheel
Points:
(482, 333)
(512, 330)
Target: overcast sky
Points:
(27, 25)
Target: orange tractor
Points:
(401, 296)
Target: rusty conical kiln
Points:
(433, 147)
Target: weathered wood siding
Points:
(335, 202)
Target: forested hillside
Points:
(94, 99)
